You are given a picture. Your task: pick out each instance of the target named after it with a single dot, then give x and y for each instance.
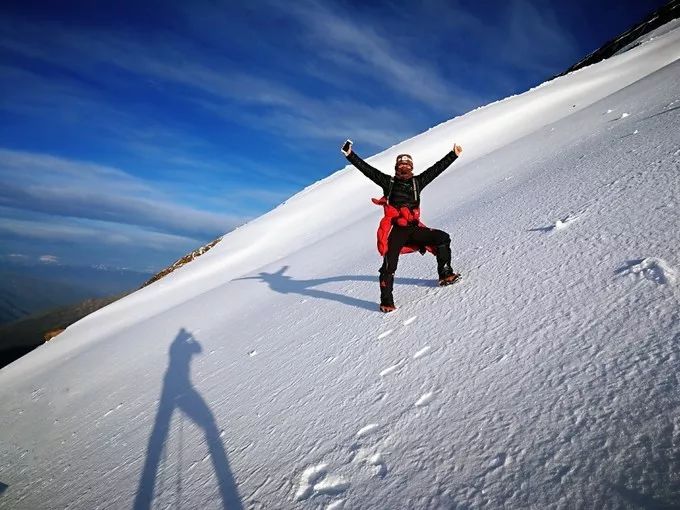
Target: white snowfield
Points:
(262, 374)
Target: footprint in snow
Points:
(315, 480)
(372, 458)
(376, 460)
(650, 268)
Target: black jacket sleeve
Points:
(381, 179)
(433, 172)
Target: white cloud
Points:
(58, 186)
(49, 259)
(75, 232)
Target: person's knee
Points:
(444, 238)
(386, 272)
(388, 268)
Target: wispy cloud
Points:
(360, 49)
(370, 53)
(288, 112)
(69, 106)
(211, 80)
(334, 120)
(68, 231)
(50, 185)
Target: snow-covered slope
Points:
(263, 376)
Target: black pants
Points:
(415, 235)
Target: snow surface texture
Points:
(262, 375)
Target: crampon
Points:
(449, 279)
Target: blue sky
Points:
(134, 132)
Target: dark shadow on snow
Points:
(641, 500)
(3, 487)
(280, 282)
(651, 271)
(630, 264)
(542, 229)
(178, 393)
(663, 112)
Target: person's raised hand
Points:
(346, 148)
(457, 149)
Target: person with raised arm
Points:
(400, 230)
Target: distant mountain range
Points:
(29, 289)
(38, 302)
(20, 337)
(38, 299)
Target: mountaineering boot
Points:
(387, 308)
(446, 274)
(386, 299)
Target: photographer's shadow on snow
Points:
(179, 393)
(285, 284)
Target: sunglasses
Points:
(404, 158)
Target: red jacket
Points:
(402, 216)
